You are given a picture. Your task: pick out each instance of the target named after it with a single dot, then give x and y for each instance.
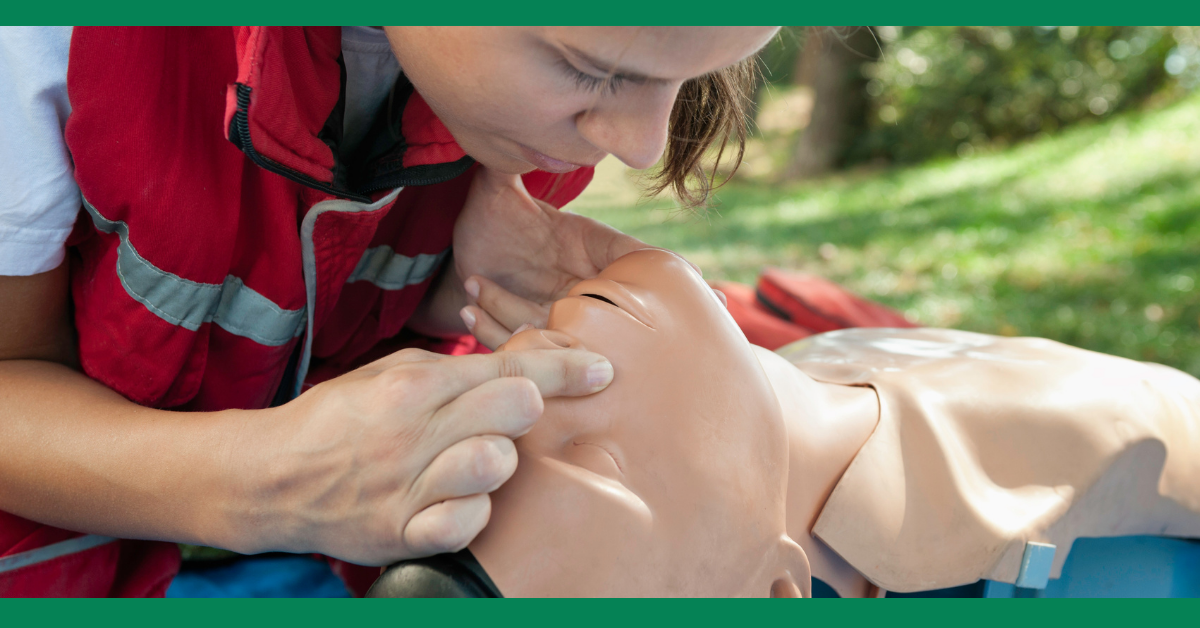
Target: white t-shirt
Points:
(39, 199)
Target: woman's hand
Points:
(395, 460)
(495, 314)
(533, 251)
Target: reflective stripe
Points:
(390, 270)
(309, 255)
(231, 305)
(50, 552)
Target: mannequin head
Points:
(672, 481)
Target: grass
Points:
(1090, 237)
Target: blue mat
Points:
(259, 576)
(1128, 566)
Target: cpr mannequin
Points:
(879, 459)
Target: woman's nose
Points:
(632, 128)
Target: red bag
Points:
(787, 306)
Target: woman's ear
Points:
(794, 577)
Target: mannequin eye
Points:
(600, 298)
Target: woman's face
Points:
(518, 98)
(669, 482)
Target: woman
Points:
(267, 208)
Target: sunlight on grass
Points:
(1091, 237)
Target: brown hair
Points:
(710, 110)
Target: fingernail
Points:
(472, 287)
(467, 317)
(522, 328)
(600, 375)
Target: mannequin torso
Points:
(982, 444)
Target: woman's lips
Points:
(547, 163)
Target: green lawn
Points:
(1091, 237)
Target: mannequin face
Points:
(669, 482)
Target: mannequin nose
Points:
(634, 132)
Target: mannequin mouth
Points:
(613, 294)
(606, 451)
(597, 301)
(598, 297)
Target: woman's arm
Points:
(77, 455)
(391, 461)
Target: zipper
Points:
(241, 121)
(466, 162)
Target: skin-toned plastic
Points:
(663, 488)
(985, 444)
(878, 459)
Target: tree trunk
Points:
(831, 64)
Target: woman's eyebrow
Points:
(610, 67)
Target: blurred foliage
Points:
(1090, 236)
(956, 90)
(200, 553)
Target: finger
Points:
(508, 309)
(507, 407)
(447, 526)
(722, 298)
(479, 464)
(485, 328)
(556, 373)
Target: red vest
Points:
(224, 235)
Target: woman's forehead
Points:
(667, 53)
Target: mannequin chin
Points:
(713, 468)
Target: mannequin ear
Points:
(795, 575)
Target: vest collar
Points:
(285, 113)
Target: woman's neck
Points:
(827, 424)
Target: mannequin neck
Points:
(827, 424)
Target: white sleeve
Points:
(39, 199)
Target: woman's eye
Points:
(590, 83)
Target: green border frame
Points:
(607, 12)
(602, 613)
(605, 613)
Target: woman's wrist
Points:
(237, 508)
